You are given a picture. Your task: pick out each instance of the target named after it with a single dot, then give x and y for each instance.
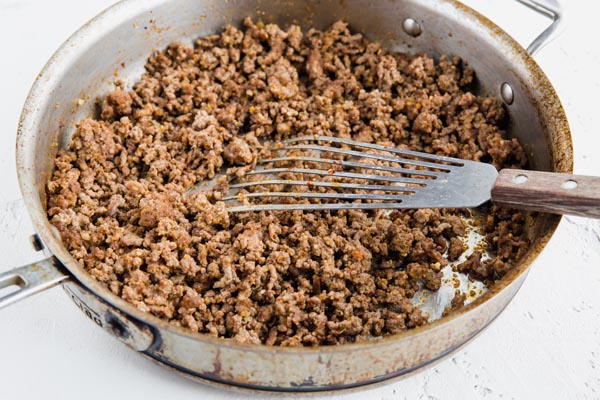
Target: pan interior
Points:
(113, 49)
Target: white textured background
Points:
(546, 345)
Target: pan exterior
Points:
(117, 42)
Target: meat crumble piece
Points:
(456, 248)
(458, 301)
(119, 194)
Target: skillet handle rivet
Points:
(507, 93)
(411, 27)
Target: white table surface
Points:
(546, 345)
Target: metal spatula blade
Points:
(336, 174)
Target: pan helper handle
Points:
(550, 9)
(29, 279)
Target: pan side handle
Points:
(29, 280)
(550, 9)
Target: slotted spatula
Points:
(399, 178)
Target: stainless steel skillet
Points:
(128, 32)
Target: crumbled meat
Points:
(116, 104)
(120, 197)
(455, 249)
(238, 152)
(457, 302)
(282, 79)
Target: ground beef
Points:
(120, 197)
(457, 302)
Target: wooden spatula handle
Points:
(548, 192)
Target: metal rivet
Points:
(570, 184)
(520, 179)
(411, 27)
(507, 93)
